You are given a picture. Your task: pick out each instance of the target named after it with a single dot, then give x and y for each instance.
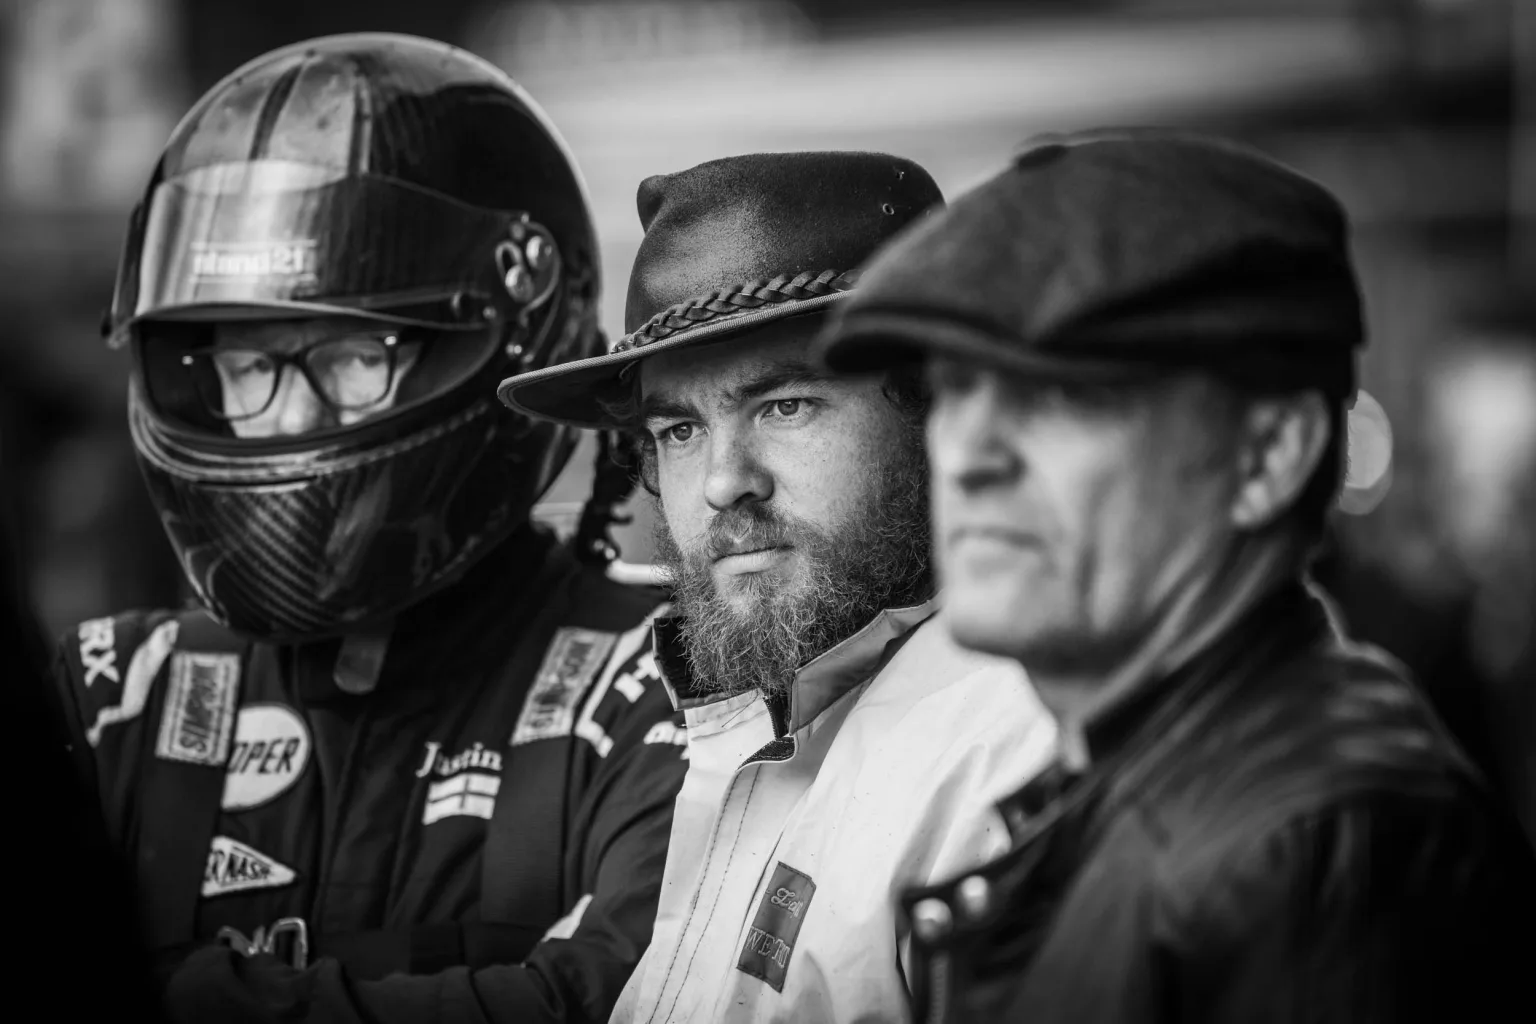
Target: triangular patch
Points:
(235, 867)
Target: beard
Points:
(876, 556)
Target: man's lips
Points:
(743, 547)
(746, 559)
(992, 534)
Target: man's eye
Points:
(677, 433)
(246, 365)
(787, 407)
(949, 375)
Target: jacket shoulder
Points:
(108, 667)
(1336, 727)
(111, 663)
(599, 672)
(1338, 761)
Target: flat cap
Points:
(1120, 251)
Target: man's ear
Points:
(1282, 442)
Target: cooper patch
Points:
(272, 747)
(771, 937)
(199, 708)
(571, 663)
(234, 867)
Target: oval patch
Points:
(270, 752)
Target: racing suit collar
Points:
(816, 686)
(447, 633)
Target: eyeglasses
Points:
(349, 373)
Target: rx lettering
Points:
(98, 650)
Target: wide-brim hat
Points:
(731, 245)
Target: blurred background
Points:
(1420, 114)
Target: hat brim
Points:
(573, 393)
(874, 341)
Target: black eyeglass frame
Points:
(214, 404)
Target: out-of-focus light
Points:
(1369, 453)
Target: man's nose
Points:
(298, 410)
(966, 446)
(735, 475)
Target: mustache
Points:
(748, 528)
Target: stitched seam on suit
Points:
(725, 873)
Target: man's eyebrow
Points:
(776, 377)
(662, 407)
(772, 378)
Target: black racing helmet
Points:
(415, 190)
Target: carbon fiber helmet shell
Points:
(384, 176)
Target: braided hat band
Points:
(731, 302)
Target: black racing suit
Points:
(487, 827)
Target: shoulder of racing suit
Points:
(604, 647)
(108, 667)
(129, 685)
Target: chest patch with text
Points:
(462, 785)
(199, 708)
(235, 867)
(571, 663)
(771, 936)
(272, 748)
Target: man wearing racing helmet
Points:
(407, 732)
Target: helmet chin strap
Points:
(361, 659)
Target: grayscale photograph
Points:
(770, 511)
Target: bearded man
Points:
(841, 746)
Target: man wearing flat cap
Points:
(1142, 346)
(841, 747)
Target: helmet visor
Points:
(237, 239)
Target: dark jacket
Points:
(1279, 832)
(515, 767)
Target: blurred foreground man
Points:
(407, 733)
(840, 746)
(1142, 347)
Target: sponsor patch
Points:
(235, 867)
(771, 936)
(98, 650)
(468, 794)
(199, 708)
(477, 756)
(467, 782)
(244, 261)
(571, 663)
(668, 732)
(632, 682)
(630, 668)
(272, 747)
